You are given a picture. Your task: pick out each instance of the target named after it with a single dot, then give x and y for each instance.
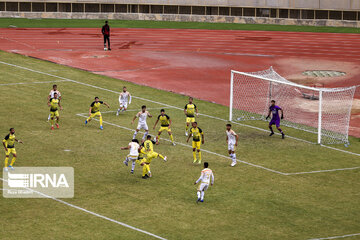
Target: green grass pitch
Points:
(246, 202)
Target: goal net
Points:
(322, 111)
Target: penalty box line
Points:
(188, 146)
(144, 99)
(337, 237)
(90, 212)
(223, 156)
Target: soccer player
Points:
(232, 141)
(9, 145)
(165, 123)
(54, 104)
(123, 100)
(275, 120)
(204, 179)
(198, 139)
(105, 30)
(134, 153)
(142, 115)
(51, 95)
(150, 154)
(94, 111)
(190, 110)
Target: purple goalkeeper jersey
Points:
(275, 112)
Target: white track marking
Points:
(92, 213)
(7, 84)
(144, 99)
(337, 237)
(188, 146)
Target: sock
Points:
(231, 155)
(199, 156)
(271, 129)
(202, 195)
(57, 120)
(157, 138)
(52, 122)
(12, 161)
(6, 161)
(126, 159)
(88, 119)
(135, 133)
(171, 138)
(49, 117)
(234, 157)
(280, 131)
(147, 166)
(144, 170)
(194, 154)
(118, 110)
(145, 134)
(186, 128)
(100, 120)
(161, 156)
(198, 194)
(133, 166)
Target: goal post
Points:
(322, 111)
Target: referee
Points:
(106, 33)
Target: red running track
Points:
(178, 59)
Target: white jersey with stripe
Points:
(52, 92)
(231, 136)
(124, 97)
(134, 149)
(142, 117)
(206, 176)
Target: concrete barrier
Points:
(182, 18)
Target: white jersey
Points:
(206, 176)
(51, 94)
(142, 116)
(124, 97)
(231, 136)
(134, 149)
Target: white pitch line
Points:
(321, 171)
(337, 237)
(185, 145)
(129, 110)
(209, 116)
(7, 84)
(93, 213)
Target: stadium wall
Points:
(339, 13)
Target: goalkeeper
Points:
(275, 120)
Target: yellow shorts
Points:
(54, 114)
(150, 156)
(10, 150)
(196, 144)
(164, 129)
(95, 114)
(190, 119)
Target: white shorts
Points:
(142, 126)
(231, 146)
(203, 187)
(132, 158)
(123, 104)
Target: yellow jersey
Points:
(95, 106)
(197, 133)
(190, 110)
(149, 146)
(164, 120)
(54, 104)
(9, 140)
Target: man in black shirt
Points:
(106, 33)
